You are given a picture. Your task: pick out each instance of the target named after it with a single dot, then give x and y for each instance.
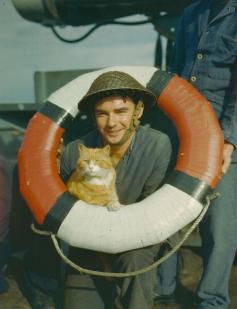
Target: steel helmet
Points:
(116, 83)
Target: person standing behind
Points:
(205, 53)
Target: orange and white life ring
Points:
(147, 222)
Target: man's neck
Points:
(118, 151)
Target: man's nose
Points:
(111, 120)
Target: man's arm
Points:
(68, 160)
(228, 123)
(161, 170)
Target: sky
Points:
(26, 47)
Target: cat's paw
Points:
(114, 206)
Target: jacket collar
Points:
(229, 8)
(203, 16)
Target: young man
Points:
(205, 53)
(141, 157)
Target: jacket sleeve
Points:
(228, 119)
(178, 53)
(164, 165)
(69, 159)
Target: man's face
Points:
(114, 118)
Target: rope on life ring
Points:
(148, 222)
(131, 273)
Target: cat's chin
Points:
(92, 176)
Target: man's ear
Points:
(139, 109)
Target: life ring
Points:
(141, 224)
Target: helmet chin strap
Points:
(134, 124)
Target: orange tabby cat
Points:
(93, 181)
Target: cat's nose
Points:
(91, 166)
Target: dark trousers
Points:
(219, 243)
(88, 292)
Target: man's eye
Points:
(122, 111)
(98, 114)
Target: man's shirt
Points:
(142, 169)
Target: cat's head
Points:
(94, 162)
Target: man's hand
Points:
(227, 152)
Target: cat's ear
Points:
(107, 149)
(81, 147)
